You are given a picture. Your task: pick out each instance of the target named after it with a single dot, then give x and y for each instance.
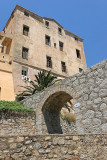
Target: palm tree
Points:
(42, 80)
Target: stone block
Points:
(97, 101)
(103, 93)
(61, 141)
(28, 142)
(103, 106)
(13, 145)
(20, 139)
(93, 96)
(10, 140)
(105, 114)
(89, 114)
(104, 127)
(47, 138)
(98, 114)
(41, 151)
(96, 122)
(35, 153)
(48, 150)
(37, 145)
(75, 138)
(82, 80)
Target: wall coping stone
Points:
(51, 135)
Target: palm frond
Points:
(43, 80)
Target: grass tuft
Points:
(69, 117)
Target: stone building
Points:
(30, 43)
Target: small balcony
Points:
(5, 38)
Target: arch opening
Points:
(51, 111)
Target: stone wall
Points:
(55, 147)
(88, 89)
(17, 124)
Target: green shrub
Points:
(13, 106)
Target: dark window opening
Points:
(25, 53)
(54, 45)
(49, 62)
(24, 71)
(78, 53)
(76, 38)
(80, 70)
(47, 24)
(47, 40)
(63, 66)
(25, 30)
(2, 49)
(26, 14)
(60, 46)
(59, 30)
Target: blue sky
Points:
(85, 18)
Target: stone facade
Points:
(54, 147)
(14, 38)
(87, 90)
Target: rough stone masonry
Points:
(54, 147)
(26, 137)
(87, 90)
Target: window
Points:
(49, 62)
(25, 53)
(78, 53)
(80, 70)
(60, 46)
(2, 49)
(47, 40)
(25, 30)
(54, 45)
(26, 13)
(63, 66)
(59, 30)
(47, 24)
(76, 38)
(24, 71)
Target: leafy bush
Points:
(13, 106)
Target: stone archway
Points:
(48, 109)
(51, 111)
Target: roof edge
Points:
(41, 18)
(51, 19)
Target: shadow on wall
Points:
(51, 111)
(52, 121)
